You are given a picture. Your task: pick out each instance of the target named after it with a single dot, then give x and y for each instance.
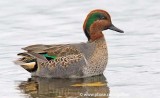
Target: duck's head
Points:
(96, 22)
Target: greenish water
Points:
(132, 72)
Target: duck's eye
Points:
(103, 17)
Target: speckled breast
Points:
(98, 60)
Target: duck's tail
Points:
(27, 62)
(30, 67)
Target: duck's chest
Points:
(99, 56)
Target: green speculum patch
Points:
(48, 57)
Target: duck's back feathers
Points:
(51, 52)
(38, 48)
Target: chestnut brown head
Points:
(96, 22)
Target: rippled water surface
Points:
(133, 70)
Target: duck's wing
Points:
(48, 52)
(55, 55)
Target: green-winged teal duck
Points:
(72, 60)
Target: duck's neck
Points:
(101, 39)
(95, 36)
(94, 33)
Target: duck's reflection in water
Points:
(92, 87)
